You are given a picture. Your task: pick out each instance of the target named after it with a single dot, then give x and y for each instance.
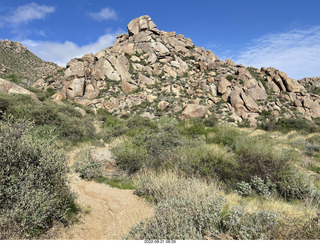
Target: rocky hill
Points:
(19, 63)
(153, 73)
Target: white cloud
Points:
(104, 14)
(26, 13)
(61, 53)
(296, 52)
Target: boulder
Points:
(229, 62)
(237, 103)
(122, 67)
(142, 23)
(249, 103)
(223, 85)
(193, 111)
(81, 111)
(163, 105)
(145, 80)
(292, 85)
(12, 88)
(127, 87)
(75, 88)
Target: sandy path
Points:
(111, 211)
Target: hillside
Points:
(155, 73)
(19, 64)
(146, 116)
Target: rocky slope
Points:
(16, 60)
(152, 73)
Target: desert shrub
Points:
(210, 121)
(259, 157)
(297, 228)
(192, 128)
(138, 121)
(50, 91)
(68, 122)
(257, 185)
(41, 94)
(296, 185)
(243, 189)
(33, 182)
(289, 124)
(149, 148)
(206, 161)
(310, 149)
(229, 77)
(245, 226)
(226, 135)
(300, 124)
(314, 139)
(186, 208)
(16, 78)
(130, 157)
(86, 167)
(263, 187)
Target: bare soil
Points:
(107, 213)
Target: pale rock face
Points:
(194, 111)
(127, 87)
(75, 88)
(12, 88)
(163, 105)
(249, 103)
(76, 69)
(151, 98)
(257, 93)
(237, 102)
(145, 80)
(272, 86)
(122, 67)
(229, 62)
(223, 85)
(141, 24)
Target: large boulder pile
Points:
(154, 72)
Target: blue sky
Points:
(279, 33)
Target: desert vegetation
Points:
(206, 180)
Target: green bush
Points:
(130, 157)
(33, 182)
(86, 167)
(243, 189)
(188, 208)
(296, 185)
(265, 188)
(206, 161)
(245, 226)
(310, 149)
(226, 135)
(149, 148)
(68, 122)
(259, 157)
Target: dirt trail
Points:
(111, 212)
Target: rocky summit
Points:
(153, 73)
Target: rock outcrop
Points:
(154, 72)
(12, 88)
